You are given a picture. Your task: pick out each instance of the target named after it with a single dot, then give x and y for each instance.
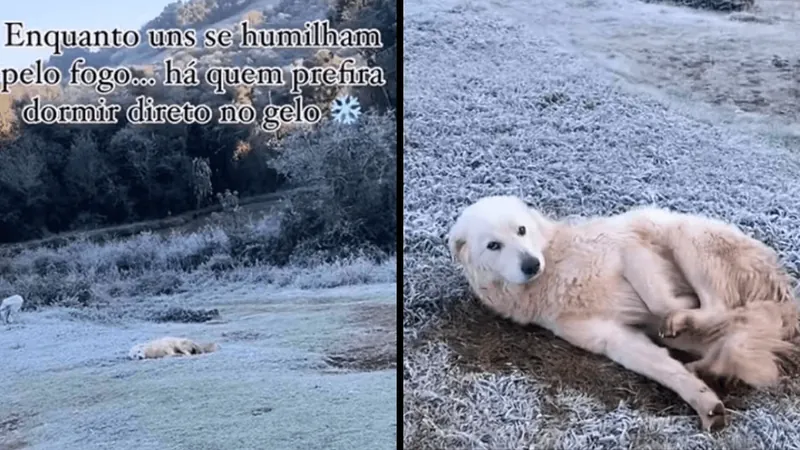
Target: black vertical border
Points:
(400, 237)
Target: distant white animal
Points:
(10, 305)
(169, 346)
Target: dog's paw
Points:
(674, 323)
(715, 419)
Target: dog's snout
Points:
(530, 266)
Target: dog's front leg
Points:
(633, 350)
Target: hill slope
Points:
(62, 178)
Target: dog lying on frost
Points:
(169, 346)
(614, 285)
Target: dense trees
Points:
(66, 177)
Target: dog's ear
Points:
(456, 249)
(456, 242)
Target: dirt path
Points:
(296, 370)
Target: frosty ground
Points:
(291, 373)
(584, 107)
(307, 356)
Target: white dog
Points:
(10, 305)
(169, 346)
(704, 285)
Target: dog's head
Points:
(500, 238)
(137, 352)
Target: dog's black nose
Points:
(530, 266)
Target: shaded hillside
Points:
(198, 14)
(61, 178)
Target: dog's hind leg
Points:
(711, 276)
(633, 350)
(649, 276)
(711, 263)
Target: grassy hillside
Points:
(56, 179)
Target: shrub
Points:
(353, 206)
(183, 315)
(714, 5)
(157, 283)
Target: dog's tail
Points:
(753, 343)
(752, 359)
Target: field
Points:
(307, 354)
(585, 107)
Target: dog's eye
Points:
(521, 231)
(494, 245)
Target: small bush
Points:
(354, 206)
(184, 315)
(55, 289)
(345, 272)
(157, 283)
(714, 5)
(219, 263)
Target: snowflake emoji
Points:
(346, 109)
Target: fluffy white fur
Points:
(169, 346)
(9, 306)
(614, 285)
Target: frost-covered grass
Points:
(294, 368)
(86, 273)
(307, 353)
(498, 100)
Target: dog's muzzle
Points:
(530, 266)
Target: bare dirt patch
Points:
(483, 342)
(10, 437)
(747, 67)
(260, 386)
(242, 335)
(184, 315)
(372, 343)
